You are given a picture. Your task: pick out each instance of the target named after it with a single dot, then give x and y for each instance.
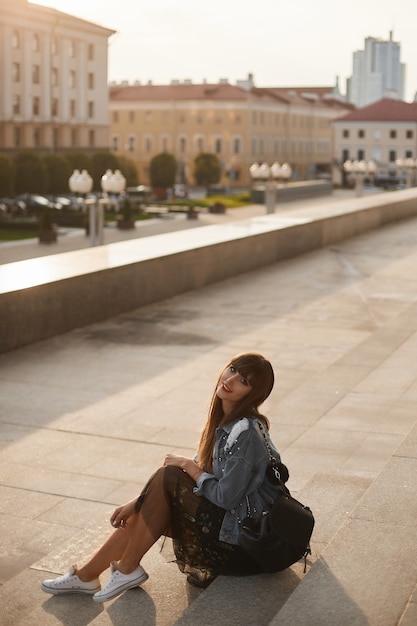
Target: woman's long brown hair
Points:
(260, 375)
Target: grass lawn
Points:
(15, 234)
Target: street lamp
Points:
(113, 183)
(270, 176)
(359, 169)
(410, 166)
(82, 183)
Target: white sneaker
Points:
(70, 583)
(119, 582)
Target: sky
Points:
(292, 43)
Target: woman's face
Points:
(232, 388)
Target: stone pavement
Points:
(87, 416)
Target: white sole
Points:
(60, 592)
(116, 592)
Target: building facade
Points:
(377, 72)
(384, 132)
(240, 124)
(53, 80)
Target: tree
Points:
(7, 174)
(207, 169)
(163, 170)
(79, 161)
(129, 171)
(59, 170)
(31, 173)
(100, 163)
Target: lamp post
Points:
(270, 176)
(113, 183)
(359, 169)
(82, 183)
(410, 166)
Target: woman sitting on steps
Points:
(198, 503)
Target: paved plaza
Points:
(85, 418)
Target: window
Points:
(392, 156)
(91, 109)
(361, 133)
(409, 134)
(164, 142)
(35, 105)
(35, 74)
(54, 76)
(91, 138)
(54, 107)
(147, 143)
(37, 137)
(16, 72)
(16, 105)
(199, 144)
(218, 145)
(393, 134)
(35, 43)
(130, 143)
(72, 108)
(345, 133)
(236, 145)
(72, 78)
(74, 137)
(55, 137)
(115, 117)
(115, 143)
(91, 80)
(17, 136)
(15, 39)
(91, 52)
(54, 45)
(182, 145)
(361, 155)
(377, 135)
(71, 48)
(131, 117)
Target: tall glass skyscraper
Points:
(377, 73)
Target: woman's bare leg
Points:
(110, 551)
(129, 544)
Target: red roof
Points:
(181, 91)
(385, 110)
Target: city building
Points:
(53, 80)
(240, 123)
(377, 72)
(383, 132)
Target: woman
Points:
(199, 502)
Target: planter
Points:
(192, 213)
(125, 223)
(48, 235)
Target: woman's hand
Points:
(188, 465)
(121, 514)
(178, 461)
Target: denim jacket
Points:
(238, 480)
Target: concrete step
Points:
(158, 602)
(367, 574)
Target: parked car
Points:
(12, 207)
(180, 191)
(35, 203)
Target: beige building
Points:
(53, 80)
(384, 132)
(241, 124)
